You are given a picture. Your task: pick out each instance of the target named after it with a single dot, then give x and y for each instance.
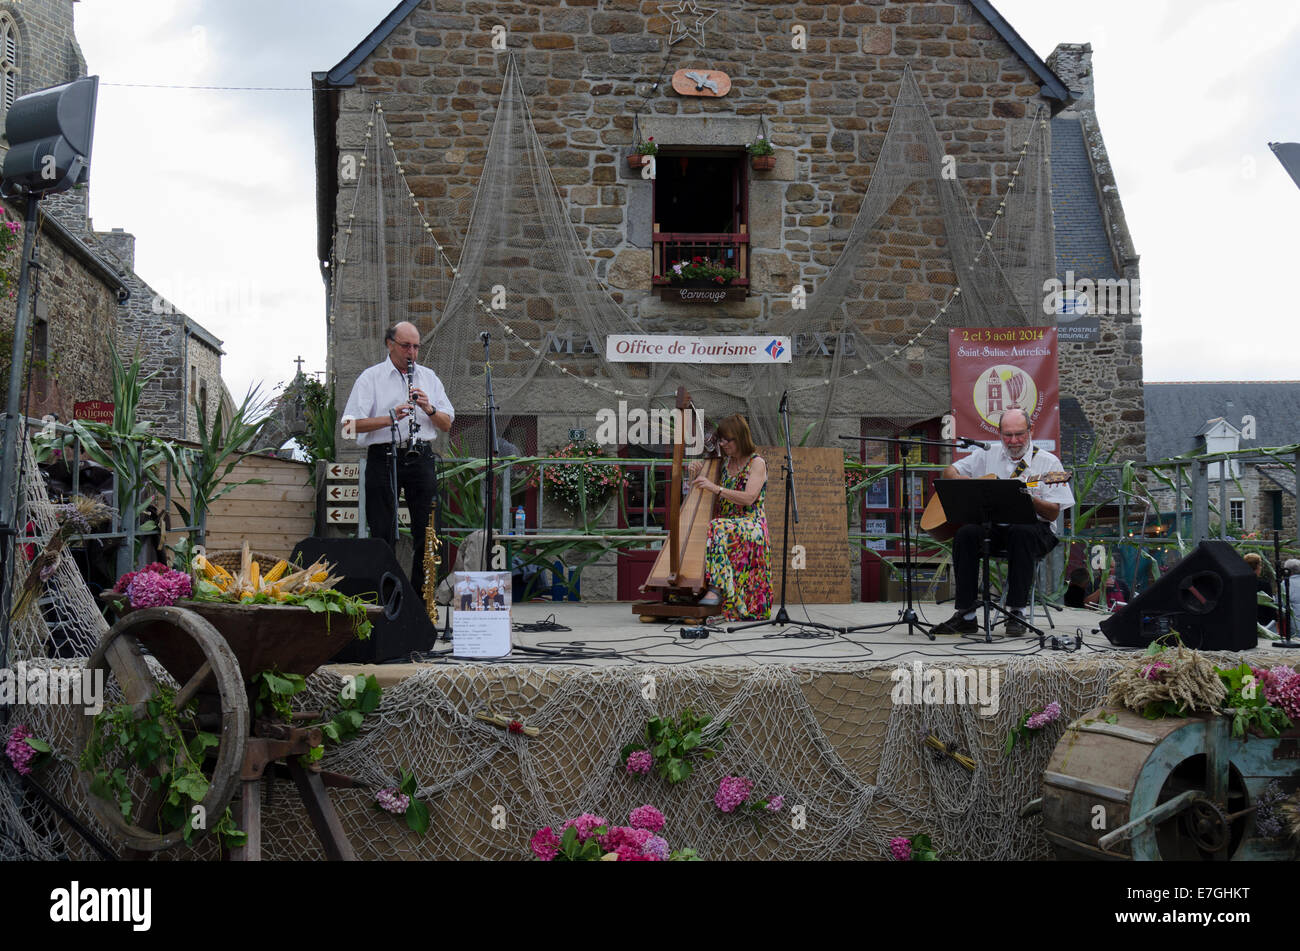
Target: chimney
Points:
(1072, 62)
(121, 244)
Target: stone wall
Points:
(74, 319)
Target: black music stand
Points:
(987, 502)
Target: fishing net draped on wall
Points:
(915, 262)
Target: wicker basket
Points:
(232, 558)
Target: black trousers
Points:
(417, 476)
(1023, 545)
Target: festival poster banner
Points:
(993, 369)
(482, 618)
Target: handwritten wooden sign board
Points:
(823, 528)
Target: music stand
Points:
(987, 502)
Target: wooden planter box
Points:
(700, 292)
(762, 163)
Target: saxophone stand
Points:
(782, 617)
(1283, 598)
(908, 614)
(986, 502)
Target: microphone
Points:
(785, 396)
(485, 336)
(968, 443)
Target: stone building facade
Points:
(595, 74)
(588, 70)
(90, 295)
(74, 319)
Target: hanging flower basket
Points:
(762, 163)
(635, 160)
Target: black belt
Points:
(421, 447)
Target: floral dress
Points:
(738, 562)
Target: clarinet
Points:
(410, 398)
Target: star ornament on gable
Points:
(686, 18)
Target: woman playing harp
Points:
(738, 566)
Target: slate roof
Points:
(1176, 412)
(1082, 244)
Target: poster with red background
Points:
(993, 369)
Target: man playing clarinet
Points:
(399, 394)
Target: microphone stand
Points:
(1283, 597)
(908, 613)
(490, 414)
(782, 616)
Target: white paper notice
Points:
(481, 626)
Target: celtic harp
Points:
(677, 576)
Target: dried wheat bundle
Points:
(1182, 676)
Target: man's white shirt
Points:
(997, 460)
(381, 387)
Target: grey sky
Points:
(218, 186)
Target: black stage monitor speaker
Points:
(369, 567)
(1208, 598)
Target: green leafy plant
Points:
(167, 745)
(325, 600)
(274, 690)
(579, 487)
(322, 422)
(128, 449)
(356, 700)
(400, 800)
(673, 743)
(221, 443)
(647, 147)
(760, 146)
(1246, 704)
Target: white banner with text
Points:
(678, 348)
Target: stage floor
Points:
(608, 634)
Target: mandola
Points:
(935, 522)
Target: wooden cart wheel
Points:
(119, 653)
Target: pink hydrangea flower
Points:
(19, 753)
(639, 761)
(646, 817)
(157, 590)
(901, 848)
(775, 803)
(586, 823)
(545, 844)
(623, 839)
(732, 791)
(1049, 714)
(1282, 690)
(155, 567)
(392, 800)
(656, 849)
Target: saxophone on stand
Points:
(431, 562)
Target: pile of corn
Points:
(250, 580)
